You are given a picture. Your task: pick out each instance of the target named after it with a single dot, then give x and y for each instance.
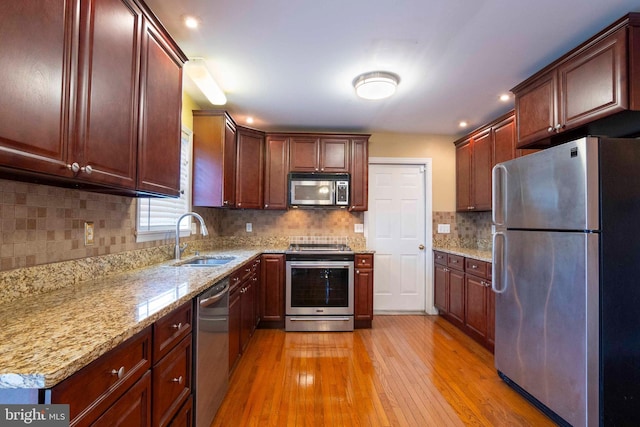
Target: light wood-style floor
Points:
(406, 371)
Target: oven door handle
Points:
(316, 319)
(320, 264)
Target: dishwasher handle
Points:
(209, 301)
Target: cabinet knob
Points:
(474, 266)
(239, 204)
(550, 129)
(74, 167)
(177, 325)
(266, 205)
(177, 380)
(87, 169)
(119, 372)
(357, 271)
(558, 127)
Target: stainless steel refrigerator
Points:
(566, 272)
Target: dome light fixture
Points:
(376, 84)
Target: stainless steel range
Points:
(319, 287)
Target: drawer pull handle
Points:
(177, 325)
(177, 380)
(119, 372)
(474, 266)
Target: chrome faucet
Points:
(203, 231)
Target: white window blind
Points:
(157, 216)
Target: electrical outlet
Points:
(358, 228)
(444, 228)
(88, 233)
(249, 227)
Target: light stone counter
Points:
(478, 254)
(48, 336)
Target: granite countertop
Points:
(480, 254)
(47, 337)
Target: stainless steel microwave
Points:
(319, 189)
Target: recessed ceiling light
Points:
(250, 120)
(191, 21)
(505, 97)
(376, 84)
(463, 124)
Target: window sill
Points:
(150, 236)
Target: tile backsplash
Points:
(41, 224)
(468, 229)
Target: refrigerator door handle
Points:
(499, 187)
(497, 266)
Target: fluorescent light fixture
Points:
(376, 84)
(198, 72)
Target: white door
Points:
(396, 231)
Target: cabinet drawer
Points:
(440, 258)
(90, 391)
(132, 409)
(455, 261)
(476, 267)
(169, 330)
(171, 382)
(364, 261)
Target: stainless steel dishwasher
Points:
(211, 355)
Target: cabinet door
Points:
(363, 298)
(105, 139)
(593, 84)
(481, 172)
(504, 141)
(272, 288)
(536, 109)
(132, 409)
(234, 327)
(456, 296)
(476, 305)
(463, 176)
(172, 382)
(36, 44)
(275, 174)
(229, 163)
(334, 155)
(440, 287)
(250, 161)
(184, 417)
(247, 316)
(161, 102)
(359, 175)
(303, 154)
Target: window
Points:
(157, 216)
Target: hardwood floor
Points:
(405, 371)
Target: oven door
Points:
(319, 288)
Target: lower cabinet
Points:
(463, 295)
(136, 383)
(243, 308)
(363, 291)
(271, 293)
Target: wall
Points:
(188, 105)
(440, 148)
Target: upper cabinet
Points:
(476, 155)
(249, 168)
(276, 167)
(214, 159)
(319, 154)
(359, 174)
(80, 100)
(592, 82)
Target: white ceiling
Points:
(290, 63)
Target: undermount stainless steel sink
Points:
(207, 261)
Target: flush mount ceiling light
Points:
(376, 84)
(198, 72)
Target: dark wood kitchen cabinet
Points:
(316, 153)
(593, 81)
(249, 168)
(243, 307)
(214, 159)
(276, 167)
(463, 295)
(74, 95)
(272, 291)
(363, 291)
(359, 174)
(463, 176)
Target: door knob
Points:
(421, 247)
